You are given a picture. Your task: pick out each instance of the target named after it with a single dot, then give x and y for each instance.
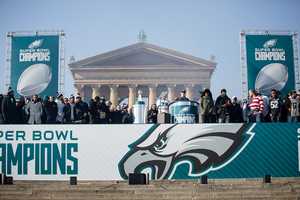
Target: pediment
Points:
(141, 54)
(138, 58)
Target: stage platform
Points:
(279, 188)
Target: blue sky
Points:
(200, 27)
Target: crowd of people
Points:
(73, 110)
(257, 108)
(61, 110)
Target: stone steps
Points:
(280, 188)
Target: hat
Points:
(77, 96)
(183, 91)
(223, 90)
(59, 95)
(10, 90)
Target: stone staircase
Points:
(280, 188)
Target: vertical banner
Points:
(269, 61)
(35, 64)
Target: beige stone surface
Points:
(280, 188)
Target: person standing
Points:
(67, 111)
(35, 110)
(152, 114)
(256, 106)
(182, 96)
(294, 110)
(80, 111)
(50, 108)
(9, 108)
(222, 107)
(21, 114)
(275, 106)
(60, 109)
(104, 111)
(236, 112)
(206, 106)
(99, 111)
(266, 111)
(116, 115)
(128, 117)
(72, 106)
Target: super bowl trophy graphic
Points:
(139, 110)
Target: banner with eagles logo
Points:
(164, 151)
(269, 61)
(34, 64)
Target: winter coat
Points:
(81, 113)
(152, 116)
(35, 111)
(207, 105)
(9, 109)
(222, 107)
(51, 112)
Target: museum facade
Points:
(154, 70)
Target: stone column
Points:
(114, 94)
(171, 93)
(95, 91)
(131, 95)
(79, 88)
(152, 95)
(189, 91)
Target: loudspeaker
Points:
(204, 179)
(267, 178)
(8, 180)
(163, 118)
(73, 180)
(137, 179)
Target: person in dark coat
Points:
(222, 107)
(128, 117)
(9, 108)
(50, 108)
(1, 116)
(72, 106)
(285, 108)
(21, 116)
(99, 111)
(81, 111)
(44, 116)
(152, 114)
(182, 96)
(116, 115)
(275, 106)
(93, 111)
(236, 112)
(67, 111)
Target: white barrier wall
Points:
(99, 149)
(165, 151)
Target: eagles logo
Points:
(164, 147)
